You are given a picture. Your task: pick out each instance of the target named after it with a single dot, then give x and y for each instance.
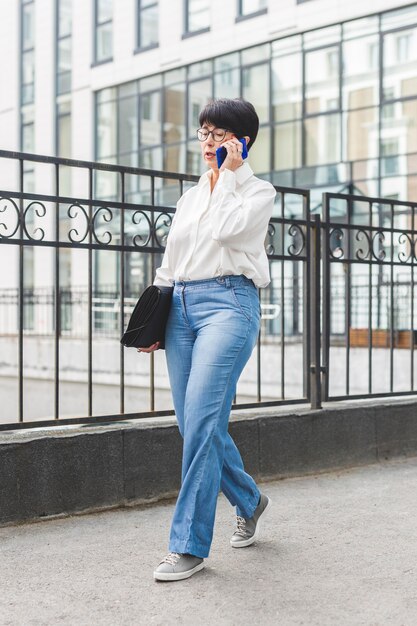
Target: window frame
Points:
(139, 10)
(240, 16)
(187, 32)
(96, 26)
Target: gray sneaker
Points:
(178, 566)
(247, 530)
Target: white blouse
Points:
(220, 233)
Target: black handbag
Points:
(149, 318)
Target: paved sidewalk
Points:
(337, 549)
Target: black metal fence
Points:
(80, 240)
(115, 221)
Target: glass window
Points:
(175, 110)
(322, 80)
(259, 155)
(199, 92)
(322, 139)
(287, 150)
(194, 161)
(400, 62)
(64, 65)
(174, 158)
(361, 27)
(286, 46)
(255, 88)
(402, 125)
(28, 77)
(64, 132)
(128, 125)
(28, 137)
(226, 62)
(64, 46)
(246, 7)
(255, 54)
(361, 73)
(197, 15)
(151, 158)
(104, 11)
(64, 17)
(150, 118)
(148, 23)
(28, 11)
(360, 134)
(287, 87)
(106, 130)
(400, 17)
(175, 76)
(389, 157)
(227, 84)
(322, 36)
(104, 30)
(201, 69)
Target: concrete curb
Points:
(68, 469)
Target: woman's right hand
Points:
(151, 348)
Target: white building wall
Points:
(225, 35)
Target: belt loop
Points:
(227, 281)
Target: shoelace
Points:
(172, 558)
(241, 526)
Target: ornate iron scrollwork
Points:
(73, 216)
(3, 209)
(40, 212)
(403, 238)
(141, 240)
(336, 252)
(107, 216)
(295, 230)
(164, 220)
(270, 248)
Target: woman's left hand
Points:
(233, 159)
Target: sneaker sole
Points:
(249, 542)
(177, 575)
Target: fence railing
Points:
(114, 224)
(66, 223)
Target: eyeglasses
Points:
(218, 134)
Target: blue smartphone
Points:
(221, 153)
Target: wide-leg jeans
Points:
(211, 332)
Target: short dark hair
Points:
(235, 114)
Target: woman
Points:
(215, 258)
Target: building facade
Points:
(335, 87)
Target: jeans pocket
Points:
(242, 300)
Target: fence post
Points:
(315, 336)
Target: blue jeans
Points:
(211, 332)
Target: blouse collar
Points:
(242, 174)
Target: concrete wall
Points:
(64, 470)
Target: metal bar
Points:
(122, 295)
(152, 355)
(95, 165)
(282, 324)
(370, 307)
(57, 302)
(21, 294)
(307, 329)
(412, 306)
(88, 201)
(315, 366)
(103, 419)
(348, 284)
(391, 336)
(90, 297)
(325, 245)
